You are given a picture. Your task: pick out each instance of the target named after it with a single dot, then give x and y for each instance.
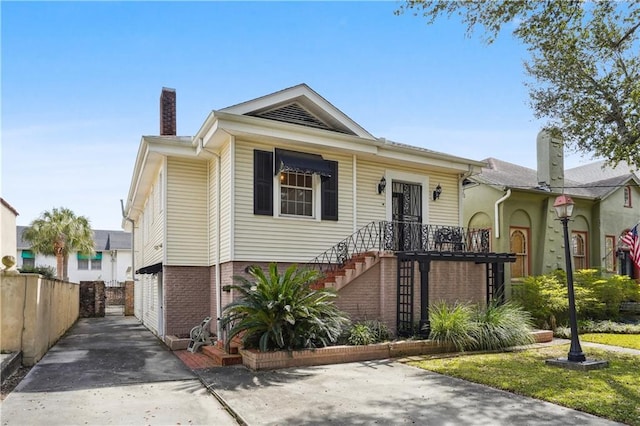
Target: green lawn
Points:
(625, 340)
(613, 392)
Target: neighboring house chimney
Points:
(168, 125)
(550, 161)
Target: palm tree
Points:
(59, 232)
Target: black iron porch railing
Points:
(402, 237)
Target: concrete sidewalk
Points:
(111, 370)
(377, 392)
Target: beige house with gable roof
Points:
(290, 178)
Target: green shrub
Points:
(597, 297)
(544, 297)
(45, 271)
(452, 325)
(360, 335)
(277, 311)
(368, 332)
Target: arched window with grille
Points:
(579, 249)
(519, 244)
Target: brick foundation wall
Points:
(361, 297)
(457, 282)
(373, 295)
(186, 297)
(389, 291)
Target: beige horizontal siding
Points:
(225, 204)
(371, 205)
(446, 209)
(266, 238)
(187, 239)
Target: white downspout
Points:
(354, 170)
(217, 260)
(218, 272)
(496, 212)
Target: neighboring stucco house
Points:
(516, 203)
(289, 178)
(8, 241)
(111, 262)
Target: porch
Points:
(417, 264)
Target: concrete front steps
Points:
(222, 358)
(210, 356)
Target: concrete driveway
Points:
(111, 371)
(377, 392)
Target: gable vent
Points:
(295, 114)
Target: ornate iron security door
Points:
(407, 213)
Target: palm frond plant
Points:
(58, 233)
(280, 311)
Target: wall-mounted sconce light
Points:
(382, 185)
(437, 192)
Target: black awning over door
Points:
(151, 269)
(301, 162)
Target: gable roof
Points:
(104, 239)
(508, 175)
(300, 105)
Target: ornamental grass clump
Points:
(501, 326)
(280, 311)
(480, 328)
(452, 325)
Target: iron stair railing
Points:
(401, 237)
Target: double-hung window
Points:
(296, 194)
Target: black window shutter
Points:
(263, 182)
(330, 193)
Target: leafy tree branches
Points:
(584, 64)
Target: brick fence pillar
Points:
(128, 297)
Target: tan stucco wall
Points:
(35, 313)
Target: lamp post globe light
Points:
(564, 208)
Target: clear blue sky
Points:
(81, 83)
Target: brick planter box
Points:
(257, 360)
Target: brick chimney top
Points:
(168, 125)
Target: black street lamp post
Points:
(564, 207)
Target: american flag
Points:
(631, 239)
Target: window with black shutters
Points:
(298, 185)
